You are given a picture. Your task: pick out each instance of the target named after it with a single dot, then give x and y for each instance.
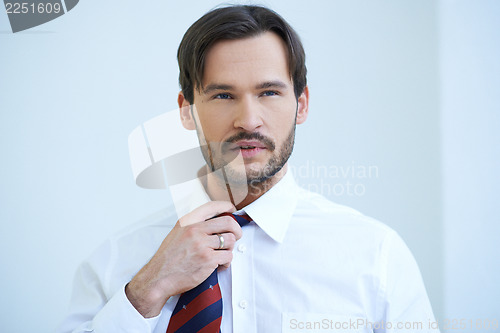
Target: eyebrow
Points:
(272, 84)
(213, 87)
(264, 85)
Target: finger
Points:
(207, 211)
(226, 239)
(223, 257)
(225, 266)
(222, 224)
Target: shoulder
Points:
(123, 254)
(142, 236)
(345, 230)
(147, 229)
(317, 209)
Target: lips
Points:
(248, 148)
(248, 144)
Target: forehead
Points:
(247, 61)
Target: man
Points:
(302, 263)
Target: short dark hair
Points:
(229, 23)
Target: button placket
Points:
(242, 248)
(242, 282)
(243, 304)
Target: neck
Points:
(240, 195)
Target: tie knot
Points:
(242, 220)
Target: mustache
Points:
(267, 142)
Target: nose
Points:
(248, 114)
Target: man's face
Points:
(247, 103)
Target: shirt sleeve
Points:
(404, 302)
(91, 310)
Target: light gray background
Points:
(408, 86)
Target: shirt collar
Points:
(272, 212)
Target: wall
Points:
(470, 118)
(73, 89)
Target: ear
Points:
(185, 112)
(303, 106)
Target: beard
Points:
(256, 178)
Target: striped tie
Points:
(200, 309)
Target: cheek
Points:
(212, 127)
(284, 117)
(281, 129)
(285, 108)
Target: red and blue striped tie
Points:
(200, 309)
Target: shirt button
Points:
(243, 304)
(242, 248)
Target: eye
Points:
(270, 93)
(222, 96)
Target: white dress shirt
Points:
(304, 265)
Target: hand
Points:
(186, 257)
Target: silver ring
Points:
(221, 242)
